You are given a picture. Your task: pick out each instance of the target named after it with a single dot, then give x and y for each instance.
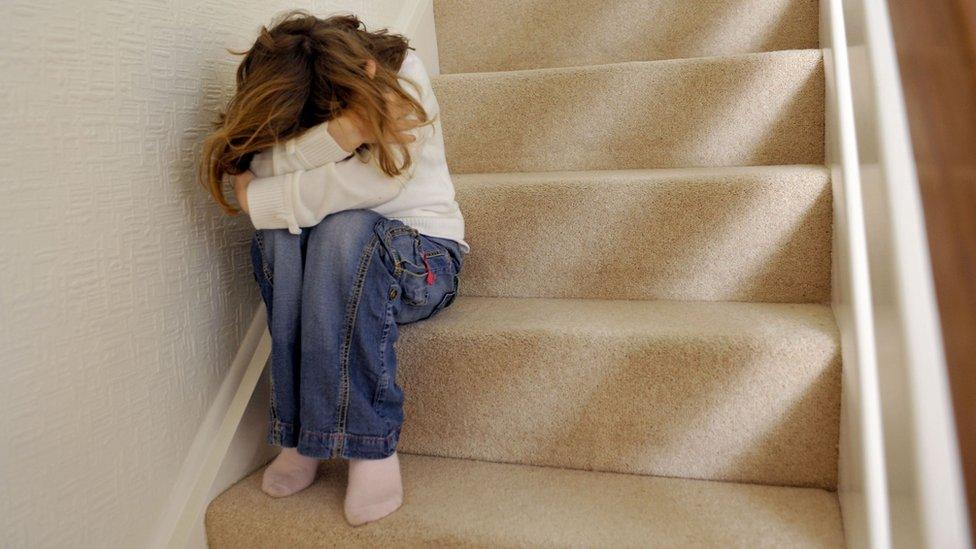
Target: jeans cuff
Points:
(282, 434)
(321, 445)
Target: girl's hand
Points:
(347, 131)
(403, 124)
(241, 181)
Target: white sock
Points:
(374, 490)
(290, 472)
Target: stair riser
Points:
(740, 111)
(758, 407)
(735, 235)
(502, 35)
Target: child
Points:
(334, 129)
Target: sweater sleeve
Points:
(303, 198)
(316, 147)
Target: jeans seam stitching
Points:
(276, 427)
(386, 334)
(298, 432)
(264, 262)
(349, 326)
(384, 379)
(274, 400)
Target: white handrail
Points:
(921, 459)
(862, 486)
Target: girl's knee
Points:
(357, 225)
(347, 224)
(343, 235)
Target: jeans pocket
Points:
(449, 296)
(445, 302)
(412, 270)
(414, 288)
(446, 299)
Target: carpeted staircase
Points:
(643, 354)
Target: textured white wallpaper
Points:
(124, 291)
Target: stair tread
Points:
(713, 390)
(753, 109)
(625, 317)
(624, 175)
(730, 233)
(812, 53)
(475, 35)
(451, 502)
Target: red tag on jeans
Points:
(430, 274)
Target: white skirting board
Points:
(221, 434)
(247, 452)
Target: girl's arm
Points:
(327, 142)
(303, 198)
(299, 181)
(305, 195)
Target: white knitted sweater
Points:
(300, 181)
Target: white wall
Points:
(124, 291)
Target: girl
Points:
(337, 156)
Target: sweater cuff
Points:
(268, 204)
(316, 147)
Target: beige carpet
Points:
(505, 35)
(730, 391)
(646, 302)
(459, 503)
(745, 110)
(735, 234)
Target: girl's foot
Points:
(290, 472)
(375, 489)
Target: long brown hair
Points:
(304, 71)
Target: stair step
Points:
(502, 35)
(746, 110)
(461, 503)
(724, 391)
(734, 234)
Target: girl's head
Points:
(304, 71)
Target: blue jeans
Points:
(335, 294)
